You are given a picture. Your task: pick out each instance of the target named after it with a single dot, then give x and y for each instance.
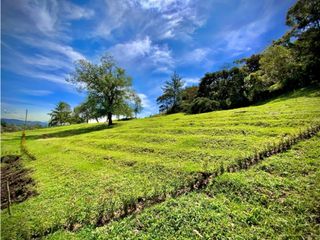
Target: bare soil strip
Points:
(20, 183)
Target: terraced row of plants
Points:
(86, 172)
(276, 199)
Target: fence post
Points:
(9, 198)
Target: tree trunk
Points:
(97, 120)
(109, 118)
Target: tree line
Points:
(291, 62)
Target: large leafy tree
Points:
(60, 115)
(106, 83)
(279, 67)
(304, 37)
(304, 15)
(170, 100)
(91, 108)
(188, 94)
(225, 87)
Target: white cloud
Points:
(196, 55)
(37, 66)
(144, 53)
(37, 93)
(40, 28)
(44, 14)
(115, 14)
(48, 18)
(160, 5)
(242, 39)
(191, 81)
(144, 101)
(134, 49)
(55, 78)
(45, 62)
(75, 12)
(160, 19)
(55, 47)
(236, 40)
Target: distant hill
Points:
(18, 122)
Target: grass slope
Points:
(277, 199)
(85, 171)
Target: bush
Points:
(202, 104)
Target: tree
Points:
(255, 86)
(188, 94)
(304, 15)
(137, 105)
(279, 67)
(170, 100)
(106, 83)
(60, 115)
(304, 38)
(124, 109)
(91, 108)
(225, 87)
(76, 116)
(202, 105)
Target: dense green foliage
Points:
(61, 115)
(85, 171)
(304, 20)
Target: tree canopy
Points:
(108, 86)
(60, 115)
(170, 100)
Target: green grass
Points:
(276, 199)
(88, 170)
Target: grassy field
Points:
(276, 199)
(86, 171)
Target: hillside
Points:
(22, 122)
(85, 175)
(277, 199)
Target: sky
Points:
(41, 40)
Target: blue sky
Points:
(149, 38)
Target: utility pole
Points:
(25, 120)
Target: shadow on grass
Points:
(71, 132)
(309, 92)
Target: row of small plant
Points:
(108, 210)
(23, 147)
(271, 149)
